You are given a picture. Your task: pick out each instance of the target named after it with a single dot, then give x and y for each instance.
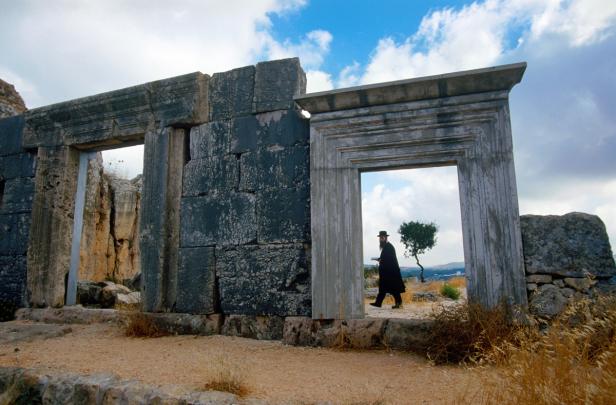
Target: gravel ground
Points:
(272, 371)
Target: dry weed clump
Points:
(227, 378)
(471, 333)
(573, 362)
(140, 325)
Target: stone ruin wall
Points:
(244, 235)
(247, 180)
(16, 191)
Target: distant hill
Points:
(437, 272)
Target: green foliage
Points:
(417, 237)
(449, 291)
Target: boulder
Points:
(572, 245)
(548, 301)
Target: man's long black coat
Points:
(390, 280)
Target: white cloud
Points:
(312, 49)
(427, 195)
(349, 76)
(318, 81)
(564, 127)
(70, 48)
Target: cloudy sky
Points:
(563, 112)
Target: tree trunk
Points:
(421, 276)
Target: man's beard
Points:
(382, 244)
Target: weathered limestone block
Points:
(231, 93)
(51, 228)
(407, 334)
(14, 233)
(276, 83)
(11, 130)
(264, 280)
(17, 165)
(225, 219)
(254, 327)
(282, 128)
(299, 331)
(197, 291)
(11, 102)
(571, 245)
(579, 284)
(275, 167)
(13, 278)
(210, 140)
(119, 116)
(539, 278)
(547, 302)
(283, 215)
(18, 195)
(210, 176)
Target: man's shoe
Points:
(374, 304)
(398, 306)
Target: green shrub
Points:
(450, 291)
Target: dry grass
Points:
(140, 325)
(413, 287)
(227, 378)
(470, 333)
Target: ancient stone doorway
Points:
(457, 119)
(105, 259)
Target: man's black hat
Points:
(383, 233)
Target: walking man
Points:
(390, 279)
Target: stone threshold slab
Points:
(399, 334)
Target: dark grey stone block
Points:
(275, 167)
(276, 83)
(18, 165)
(18, 195)
(14, 232)
(11, 130)
(221, 219)
(244, 134)
(231, 93)
(212, 175)
(197, 291)
(284, 128)
(209, 140)
(13, 280)
(264, 280)
(283, 215)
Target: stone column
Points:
(52, 223)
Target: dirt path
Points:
(272, 371)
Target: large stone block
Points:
(197, 292)
(264, 280)
(11, 130)
(277, 128)
(283, 215)
(18, 195)
(276, 83)
(14, 232)
(571, 245)
(222, 219)
(211, 175)
(17, 165)
(209, 140)
(231, 93)
(275, 167)
(119, 116)
(283, 128)
(13, 280)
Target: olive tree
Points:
(417, 237)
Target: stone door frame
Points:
(457, 119)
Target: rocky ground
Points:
(272, 371)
